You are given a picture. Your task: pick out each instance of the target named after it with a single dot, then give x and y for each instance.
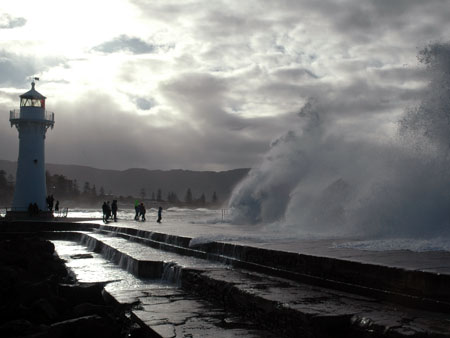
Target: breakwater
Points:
(281, 292)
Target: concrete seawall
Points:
(415, 287)
(398, 281)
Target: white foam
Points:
(318, 180)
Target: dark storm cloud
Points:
(237, 59)
(96, 132)
(126, 43)
(15, 69)
(8, 22)
(203, 98)
(266, 54)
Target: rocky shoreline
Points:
(41, 299)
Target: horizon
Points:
(97, 168)
(208, 86)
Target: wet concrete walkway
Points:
(214, 300)
(313, 287)
(257, 236)
(162, 308)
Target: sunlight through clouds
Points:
(214, 69)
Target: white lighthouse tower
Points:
(32, 122)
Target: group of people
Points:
(33, 209)
(109, 211)
(51, 202)
(140, 212)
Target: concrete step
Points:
(161, 309)
(141, 260)
(283, 306)
(409, 287)
(171, 312)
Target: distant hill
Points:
(131, 181)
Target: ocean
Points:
(204, 225)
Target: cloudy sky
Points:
(206, 85)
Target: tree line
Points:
(6, 189)
(64, 189)
(173, 198)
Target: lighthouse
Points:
(32, 122)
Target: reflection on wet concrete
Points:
(209, 299)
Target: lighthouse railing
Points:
(15, 116)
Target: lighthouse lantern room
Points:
(32, 122)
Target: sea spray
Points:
(316, 181)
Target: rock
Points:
(31, 292)
(82, 293)
(43, 311)
(34, 302)
(17, 327)
(87, 309)
(86, 327)
(81, 256)
(13, 312)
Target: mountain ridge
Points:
(130, 182)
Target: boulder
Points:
(82, 293)
(88, 309)
(17, 327)
(86, 327)
(43, 312)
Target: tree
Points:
(202, 199)
(159, 195)
(143, 193)
(94, 191)
(3, 181)
(172, 197)
(188, 198)
(6, 188)
(10, 180)
(87, 189)
(102, 191)
(75, 189)
(214, 198)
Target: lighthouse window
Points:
(32, 103)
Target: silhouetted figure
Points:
(35, 209)
(142, 211)
(50, 201)
(105, 212)
(108, 210)
(114, 210)
(159, 215)
(57, 206)
(30, 209)
(136, 208)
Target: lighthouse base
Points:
(14, 215)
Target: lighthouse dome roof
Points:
(32, 94)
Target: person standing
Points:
(57, 206)
(136, 208)
(142, 207)
(159, 215)
(52, 202)
(114, 210)
(108, 210)
(105, 212)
